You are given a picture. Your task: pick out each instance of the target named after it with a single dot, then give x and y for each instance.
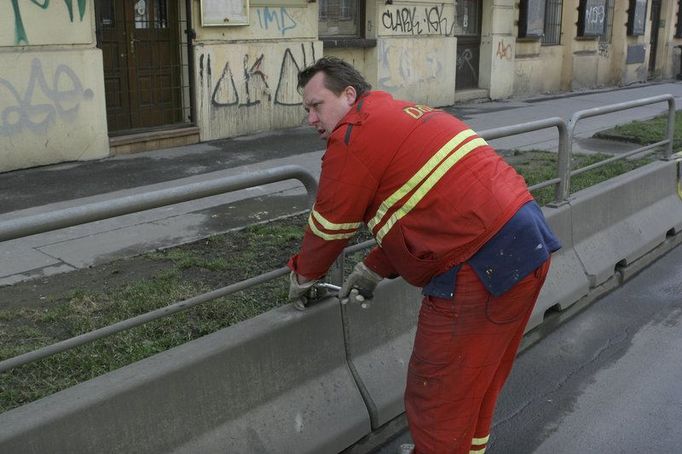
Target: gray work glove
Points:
(359, 286)
(302, 294)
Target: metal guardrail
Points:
(563, 151)
(125, 205)
(97, 211)
(565, 172)
(68, 217)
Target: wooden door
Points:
(140, 46)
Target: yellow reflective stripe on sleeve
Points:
(328, 236)
(480, 441)
(478, 451)
(419, 176)
(429, 183)
(332, 226)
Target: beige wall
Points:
(421, 70)
(246, 76)
(242, 88)
(416, 54)
(537, 69)
(498, 47)
(31, 24)
(265, 23)
(584, 63)
(52, 108)
(52, 103)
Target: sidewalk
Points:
(50, 188)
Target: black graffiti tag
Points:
(402, 20)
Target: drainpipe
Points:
(191, 35)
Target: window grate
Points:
(552, 35)
(608, 28)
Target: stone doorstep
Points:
(153, 140)
(473, 94)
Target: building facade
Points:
(86, 79)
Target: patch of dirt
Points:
(59, 287)
(108, 277)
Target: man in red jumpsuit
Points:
(449, 216)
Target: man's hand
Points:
(300, 290)
(359, 285)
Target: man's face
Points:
(325, 109)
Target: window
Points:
(339, 18)
(541, 19)
(678, 26)
(467, 18)
(552, 35)
(637, 17)
(592, 17)
(151, 14)
(532, 18)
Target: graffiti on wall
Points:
(253, 88)
(404, 67)
(20, 30)
(467, 63)
(42, 102)
(595, 15)
(603, 49)
(277, 19)
(417, 21)
(504, 52)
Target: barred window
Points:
(339, 18)
(552, 34)
(608, 26)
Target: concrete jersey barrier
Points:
(379, 342)
(566, 281)
(278, 383)
(620, 220)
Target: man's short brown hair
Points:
(339, 75)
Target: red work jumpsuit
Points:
(432, 193)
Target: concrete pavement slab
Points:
(133, 234)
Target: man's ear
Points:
(350, 94)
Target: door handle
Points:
(132, 45)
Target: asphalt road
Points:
(609, 380)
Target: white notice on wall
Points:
(224, 12)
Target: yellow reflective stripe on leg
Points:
(478, 451)
(332, 226)
(480, 441)
(428, 184)
(418, 177)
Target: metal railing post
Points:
(670, 131)
(564, 164)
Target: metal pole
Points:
(670, 132)
(136, 321)
(97, 211)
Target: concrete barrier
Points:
(620, 220)
(566, 282)
(278, 383)
(379, 342)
